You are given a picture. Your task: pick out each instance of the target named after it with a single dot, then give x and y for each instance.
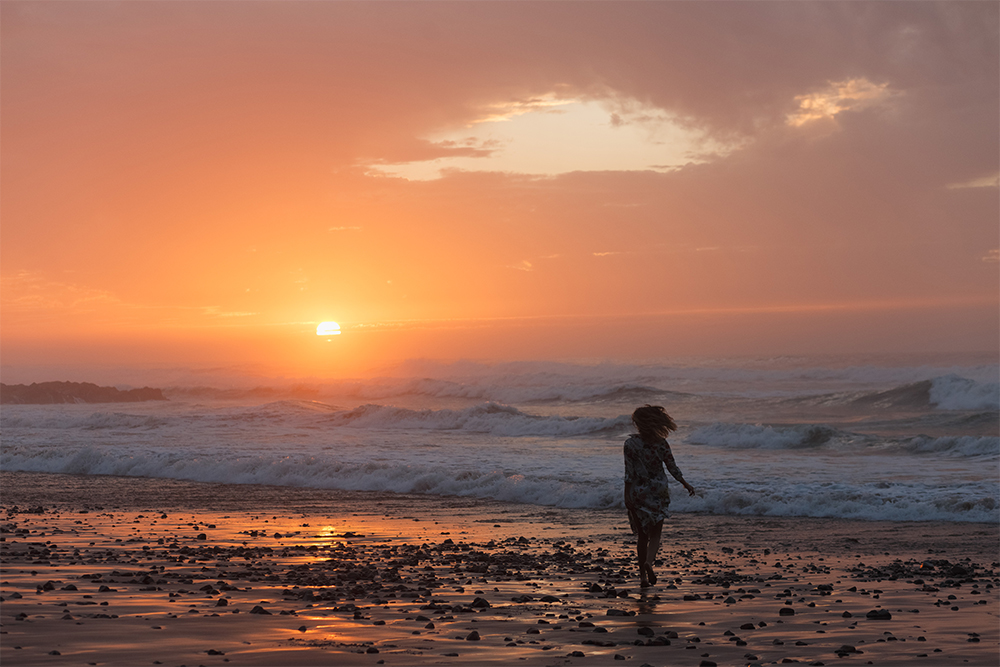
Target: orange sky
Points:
(203, 183)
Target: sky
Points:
(202, 184)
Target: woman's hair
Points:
(653, 422)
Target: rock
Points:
(748, 626)
(260, 610)
(473, 636)
(212, 651)
(371, 649)
(40, 393)
(786, 611)
(646, 631)
(481, 602)
(879, 615)
(549, 598)
(847, 614)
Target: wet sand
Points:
(115, 571)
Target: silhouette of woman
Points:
(646, 494)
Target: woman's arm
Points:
(668, 460)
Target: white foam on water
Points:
(551, 434)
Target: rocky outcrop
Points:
(74, 392)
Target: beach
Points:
(128, 571)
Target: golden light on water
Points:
(328, 329)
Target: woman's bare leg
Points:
(654, 535)
(642, 552)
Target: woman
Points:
(646, 493)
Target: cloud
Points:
(504, 111)
(850, 95)
(988, 181)
(172, 130)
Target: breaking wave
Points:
(818, 436)
(777, 496)
(491, 418)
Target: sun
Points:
(328, 329)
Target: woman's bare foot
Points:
(648, 574)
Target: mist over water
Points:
(779, 437)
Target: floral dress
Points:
(646, 494)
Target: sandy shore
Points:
(111, 571)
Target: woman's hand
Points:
(690, 489)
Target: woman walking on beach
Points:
(646, 494)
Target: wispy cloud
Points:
(840, 96)
(988, 181)
(502, 111)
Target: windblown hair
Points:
(653, 422)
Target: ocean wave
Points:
(484, 418)
(758, 436)
(948, 392)
(55, 419)
(491, 418)
(522, 391)
(953, 392)
(957, 446)
(819, 436)
(778, 496)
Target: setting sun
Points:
(328, 329)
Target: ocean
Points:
(880, 439)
